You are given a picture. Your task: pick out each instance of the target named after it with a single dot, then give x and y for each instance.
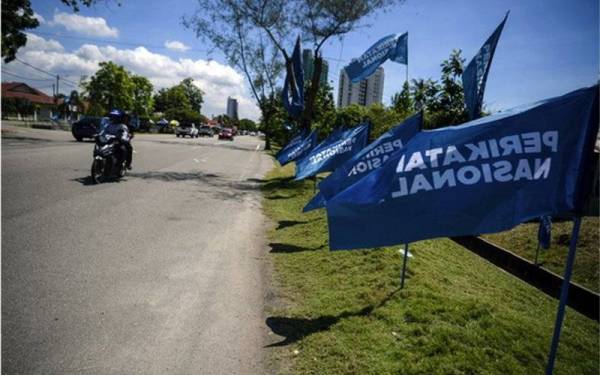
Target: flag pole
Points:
(564, 294)
(404, 266)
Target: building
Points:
(232, 108)
(308, 65)
(365, 92)
(40, 104)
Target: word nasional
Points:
(500, 171)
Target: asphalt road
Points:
(160, 273)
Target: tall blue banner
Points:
(295, 83)
(393, 47)
(291, 144)
(299, 150)
(485, 176)
(475, 74)
(369, 158)
(333, 151)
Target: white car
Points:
(189, 130)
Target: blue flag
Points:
(545, 232)
(475, 74)
(299, 150)
(368, 159)
(393, 47)
(332, 152)
(291, 144)
(295, 83)
(485, 176)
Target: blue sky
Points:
(547, 48)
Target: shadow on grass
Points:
(287, 248)
(279, 196)
(289, 223)
(294, 329)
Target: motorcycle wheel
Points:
(96, 172)
(122, 171)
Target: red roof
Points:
(24, 91)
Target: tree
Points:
(142, 96)
(172, 98)
(185, 116)
(402, 101)
(110, 87)
(20, 106)
(239, 28)
(450, 107)
(193, 93)
(224, 24)
(247, 124)
(17, 16)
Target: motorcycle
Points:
(109, 158)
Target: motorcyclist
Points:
(116, 127)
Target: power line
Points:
(65, 81)
(27, 78)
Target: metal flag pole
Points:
(564, 294)
(404, 266)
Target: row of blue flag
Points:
(485, 176)
(351, 201)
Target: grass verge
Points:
(522, 240)
(343, 312)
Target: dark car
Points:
(226, 134)
(87, 127)
(205, 131)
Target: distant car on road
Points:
(187, 129)
(87, 127)
(226, 133)
(205, 131)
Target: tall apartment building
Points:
(365, 92)
(308, 62)
(232, 108)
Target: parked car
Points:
(226, 133)
(186, 129)
(87, 127)
(205, 131)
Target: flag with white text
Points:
(368, 159)
(332, 152)
(485, 176)
(475, 74)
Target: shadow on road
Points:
(87, 180)
(175, 176)
(294, 329)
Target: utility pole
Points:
(57, 80)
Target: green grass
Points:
(343, 312)
(522, 240)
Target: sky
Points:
(547, 48)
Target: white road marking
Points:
(197, 161)
(135, 152)
(257, 146)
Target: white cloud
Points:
(218, 81)
(39, 17)
(176, 46)
(93, 26)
